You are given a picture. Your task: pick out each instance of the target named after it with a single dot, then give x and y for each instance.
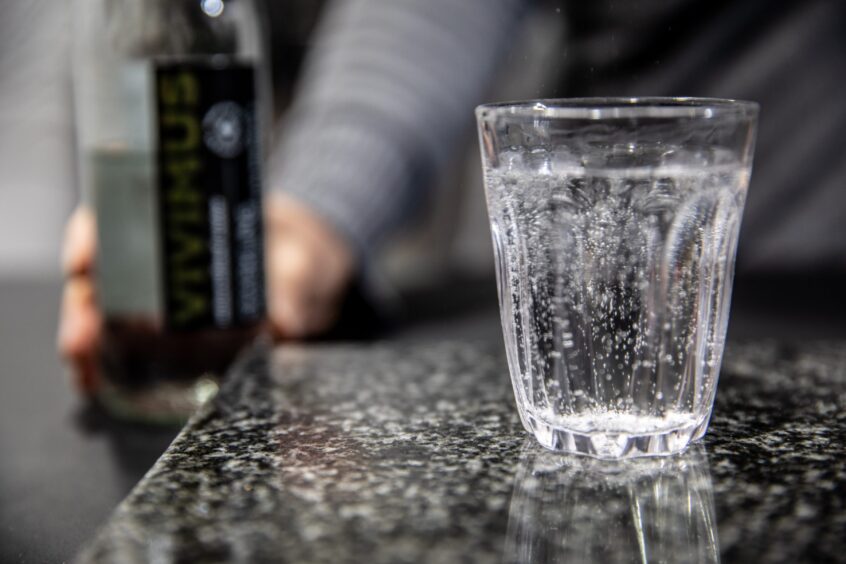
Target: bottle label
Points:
(209, 195)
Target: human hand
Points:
(309, 267)
(308, 270)
(80, 323)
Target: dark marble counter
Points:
(414, 453)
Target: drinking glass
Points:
(614, 224)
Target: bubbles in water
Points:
(538, 159)
(511, 161)
(602, 270)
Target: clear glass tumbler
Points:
(615, 224)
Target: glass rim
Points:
(598, 108)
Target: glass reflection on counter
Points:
(576, 509)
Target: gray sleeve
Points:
(389, 86)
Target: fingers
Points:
(79, 332)
(289, 269)
(301, 304)
(80, 322)
(80, 243)
(309, 267)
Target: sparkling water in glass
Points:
(615, 226)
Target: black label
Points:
(210, 195)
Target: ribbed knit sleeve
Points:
(388, 87)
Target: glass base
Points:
(614, 445)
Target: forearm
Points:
(388, 88)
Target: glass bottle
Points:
(171, 98)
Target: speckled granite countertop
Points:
(402, 453)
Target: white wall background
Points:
(37, 184)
